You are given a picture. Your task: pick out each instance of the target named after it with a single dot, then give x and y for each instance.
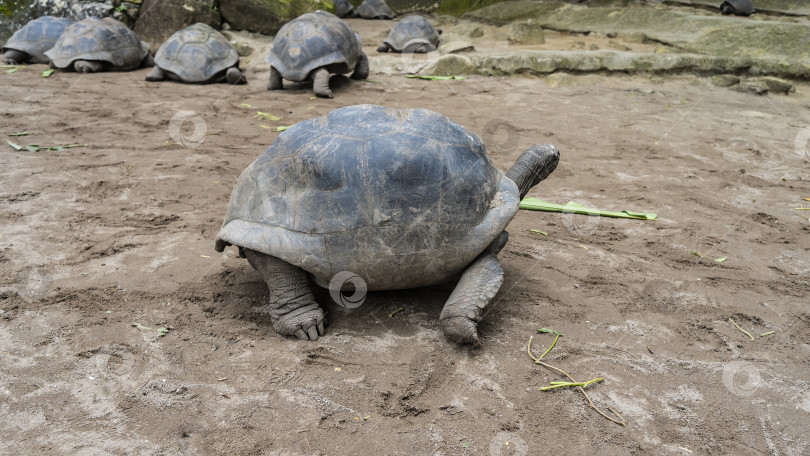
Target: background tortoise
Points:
(344, 9)
(197, 54)
(92, 45)
(401, 198)
(29, 43)
(738, 7)
(375, 9)
(314, 46)
(411, 34)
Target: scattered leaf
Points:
(432, 78)
(721, 259)
(141, 327)
(281, 128)
(337, 369)
(266, 115)
(535, 204)
(14, 145)
(549, 331)
(313, 98)
(766, 333)
(162, 331)
(246, 105)
(13, 70)
(24, 133)
(47, 73)
(586, 248)
(205, 256)
(806, 199)
(538, 231)
(391, 315)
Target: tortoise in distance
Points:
(92, 45)
(398, 198)
(197, 54)
(411, 34)
(29, 43)
(314, 46)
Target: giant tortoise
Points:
(314, 46)
(28, 44)
(411, 34)
(399, 198)
(92, 45)
(197, 54)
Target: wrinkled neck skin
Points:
(533, 167)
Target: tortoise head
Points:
(533, 166)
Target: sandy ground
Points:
(98, 238)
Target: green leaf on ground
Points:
(535, 204)
(15, 145)
(24, 133)
(47, 73)
(432, 78)
(266, 115)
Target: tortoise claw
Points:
(299, 333)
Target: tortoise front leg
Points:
(291, 305)
(88, 66)
(275, 80)
(14, 57)
(479, 283)
(385, 47)
(234, 76)
(156, 74)
(320, 83)
(361, 69)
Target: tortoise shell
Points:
(37, 36)
(312, 41)
(197, 53)
(400, 197)
(105, 40)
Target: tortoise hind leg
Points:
(14, 57)
(361, 69)
(275, 80)
(291, 305)
(234, 76)
(479, 283)
(88, 66)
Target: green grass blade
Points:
(535, 204)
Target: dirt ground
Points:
(119, 232)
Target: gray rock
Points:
(242, 49)
(456, 47)
(775, 84)
(453, 64)
(525, 32)
(725, 80)
(466, 31)
(752, 87)
(161, 18)
(264, 16)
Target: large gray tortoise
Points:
(314, 46)
(92, 45)
(411, 34)
(197, 54)
(399, 198)
(28, 44)
(375, 9)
